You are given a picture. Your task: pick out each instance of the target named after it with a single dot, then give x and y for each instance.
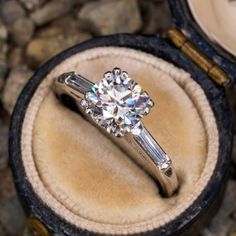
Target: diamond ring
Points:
(116, 104)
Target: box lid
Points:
(217, 44)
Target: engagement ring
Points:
(117, 104)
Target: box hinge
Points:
(36, 228)
(198, 57)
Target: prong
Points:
(125, 74)
(107, 75)
(127, 129)
(116, 71)
(169, 172)
(146, 111)
(151, 103)
(108, 129)
(166, 165)
(87, 95)
(84, 103)
(99, 122)
(88, 110)
(118, 134)
(145, 93)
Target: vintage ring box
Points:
(73, 180)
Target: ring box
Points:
(73, 180)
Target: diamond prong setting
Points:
(117, 103)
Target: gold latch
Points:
(198, 57)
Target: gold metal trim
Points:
(198, 57)
(36, 228)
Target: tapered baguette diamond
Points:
(117, 102)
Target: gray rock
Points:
(3, 62)
(223, 222)
(3, 146)
(156, 16)
(10, 11)
(3, 50)
(7, 187)
(32, 4)
(232, 233)
(16, 57)
(3, 32)
(52, 31)
(51, 11)
(21, 31)
(3, 70)
(108, 17)
(14, 84)
(12, 218)
(43, 48)
(59, 35)
(3, 73)
(64, 25)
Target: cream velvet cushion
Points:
(86, 179)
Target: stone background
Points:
(32, 31)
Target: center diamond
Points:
(117, 102)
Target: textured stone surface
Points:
(3, 50)
(14, 84)
(3, 72)
(61, 34)
(3, 63)
(156, 16)
(3, 31)
(42, 49)
(3, 69)
(32, 4)
(108, 17)
(3, 146)
(10, 11)
(52, 10)
(16, 57)
(232, 233)
(7, 188)
(21, 31)
(12, 218)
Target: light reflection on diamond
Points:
(117, 102)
